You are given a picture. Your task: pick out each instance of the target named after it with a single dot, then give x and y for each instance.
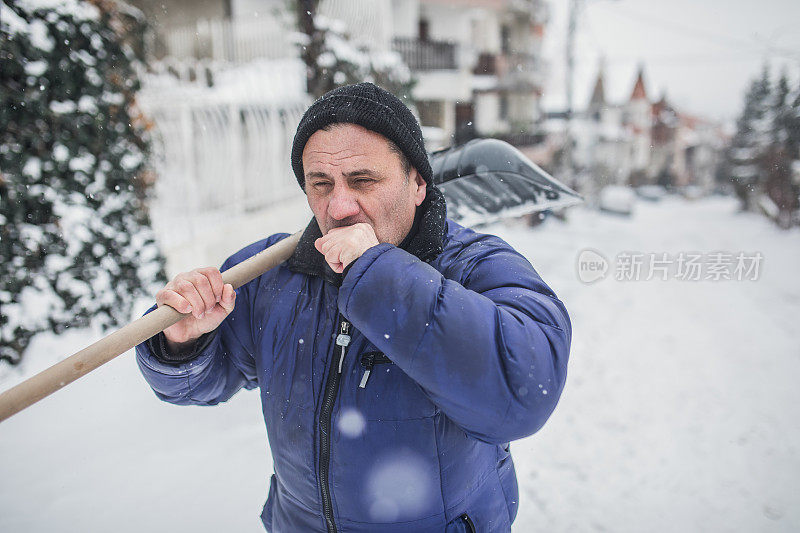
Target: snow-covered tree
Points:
(749, 143)
(75, 243)
(779, 155)
(792, 125)
(332, 60)
(763, 155)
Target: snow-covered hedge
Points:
(75, 238)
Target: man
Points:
(397, 353)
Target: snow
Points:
(679, 412)
(680, 406)
(12, 22)
(274, 81)
(768, 206)
(129, 161)
(60, 152)
(87, 104)
(745, 172)
(36, 68)
(40, 35)
(83, 162)
(63, 107)
(33, 168)
(36, 29)
(75, 8)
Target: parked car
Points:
(617, 199)
(652, 193)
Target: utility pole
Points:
(568, 164)
(575, 7)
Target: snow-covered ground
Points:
(680, 412)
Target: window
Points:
(430, 113)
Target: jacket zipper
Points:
(368, 360)
(329, 398)
(468, 523)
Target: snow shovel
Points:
(485, 180)
(482, 181)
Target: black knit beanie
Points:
(369, 106)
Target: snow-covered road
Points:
(681, 411)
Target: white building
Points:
(638, 142)
(478, 63)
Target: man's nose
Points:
(342, 203)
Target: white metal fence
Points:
(220, 159)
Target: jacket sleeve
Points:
(223, 365)
(490, 349)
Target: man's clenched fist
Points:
(341, 246)
(202, 293)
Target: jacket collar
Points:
(426, 244)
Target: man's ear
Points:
(422, 187)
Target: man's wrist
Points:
(179, 348)
(158, 345)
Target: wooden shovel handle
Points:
(65, 372)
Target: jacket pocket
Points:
(468, 523)
(462, 524)
(368, 362)
(380, 390)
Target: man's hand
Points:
(201, 293)
(341, 246)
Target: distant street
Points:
(681, 406)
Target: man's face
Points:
(353, 176)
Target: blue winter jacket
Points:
(390, 395)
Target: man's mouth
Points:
(345, 223)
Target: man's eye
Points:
(320, 184)
(364, 181)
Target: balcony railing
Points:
(426, 55)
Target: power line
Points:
(682, 59)
(705, 35)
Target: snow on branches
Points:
(75, 241)
(333, 60)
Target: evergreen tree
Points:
(748, 146)
(75, 244)
(779, 111)
(793, 126)
(28, 225)
(778, 155)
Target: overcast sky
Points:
(703, 53)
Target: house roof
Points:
(599, 93)
(639, 92)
